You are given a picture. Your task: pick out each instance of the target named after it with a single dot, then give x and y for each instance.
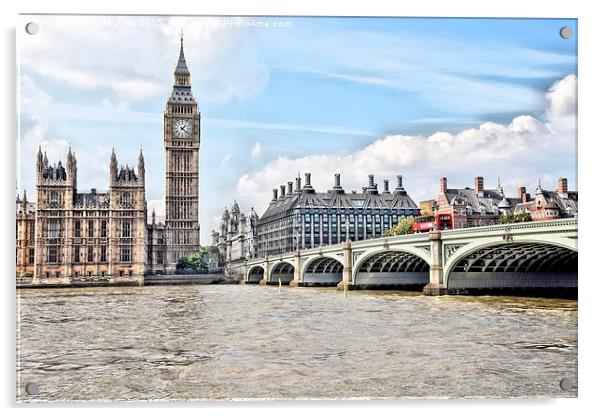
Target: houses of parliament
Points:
(65, 235)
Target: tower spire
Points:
(182, 74)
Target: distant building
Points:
(549, 205)
(302, 218)
(236, 239)
(471, 207)
(25, 244)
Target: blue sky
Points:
(418, 97)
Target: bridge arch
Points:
(322, 270)
(392, 267)
(533, 263)
(254, 274)
(283, 270)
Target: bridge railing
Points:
(531, 225)
(566, 223)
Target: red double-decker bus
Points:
(427, 223)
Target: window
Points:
(103, 228)
(90, 228)
(76, 251)
(103, 254)
(90, 254)
(126, 253)
(126, 199)
(54, 197)
(32, 256)
(53, 254)
(126, 229)
(54, 228)
(78, 228)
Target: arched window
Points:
(54, 197)
(126, 199)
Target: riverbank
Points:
(155, 280)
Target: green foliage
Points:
(512, 218)
(193, 261)
(404, 226)
(27, 274)
(211, 250)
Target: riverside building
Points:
(299, 217)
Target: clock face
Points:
(182, 128)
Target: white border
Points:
(590, 70)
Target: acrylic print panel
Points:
(400, 212)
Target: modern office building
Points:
(300, 217)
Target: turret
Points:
(72, 168)
(40, 162)
(113, 167)
(141, 170)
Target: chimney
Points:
(478, 185)
(399, 181)
(298, 184)
(443, 185)
(386, 187)
(290, 188)
(282, 191)
(522, 193)
(370, 181)
(563, 186)
(307, 188)
(337, 180)
(274, 194)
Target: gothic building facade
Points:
(26, 228)
(236, 239)
(92, 234)
(67, 235)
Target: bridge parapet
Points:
(442, 250)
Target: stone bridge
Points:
(533, 256)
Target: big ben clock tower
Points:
(182, 138)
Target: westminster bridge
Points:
(530, 256)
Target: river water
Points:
(244, 341)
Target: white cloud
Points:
(133, 58)
(519, 152)
(562, 103)
(256, 150)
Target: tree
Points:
(512, 218)
(211, 250)
(193, 261)
(404, 226)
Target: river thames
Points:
(243, 341)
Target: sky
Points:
(278, 96)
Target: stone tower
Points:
(181, 138)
